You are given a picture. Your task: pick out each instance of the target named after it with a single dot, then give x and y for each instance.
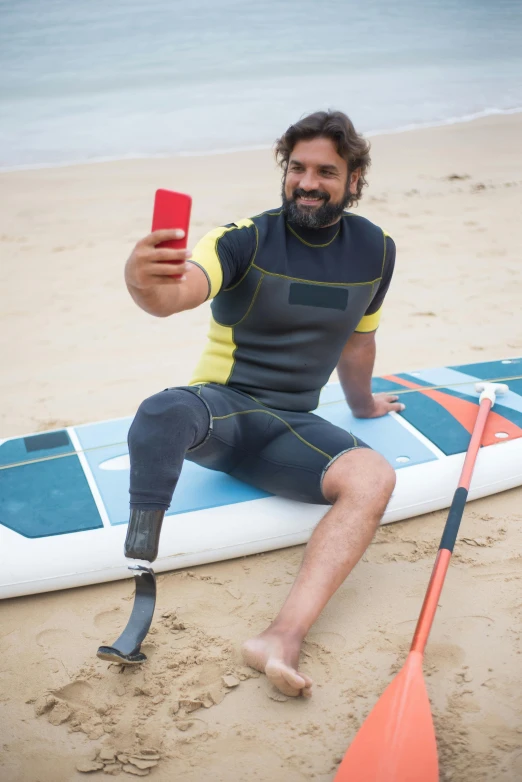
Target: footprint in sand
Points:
(52, 638)
(78, 692)
(109, 621)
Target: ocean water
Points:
(84, 80)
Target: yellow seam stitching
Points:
(225, 229)
(315, 282)
(308, 244)
(237, 324)
(254, 297)
(231, 288)
(268, 412)
(253, 397)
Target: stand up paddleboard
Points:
(64, 493)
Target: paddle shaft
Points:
(450, 533)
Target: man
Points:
(296, 291)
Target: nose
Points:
(309, 180)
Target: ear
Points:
(354, 179)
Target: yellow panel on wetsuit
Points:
(286, 302)
(369, 323)
(211, 254)
(206, 255)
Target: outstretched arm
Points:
(355, 368)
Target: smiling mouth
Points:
(309, 201)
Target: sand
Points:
(75, 348)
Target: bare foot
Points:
(277, 655)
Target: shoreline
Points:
(413, 127)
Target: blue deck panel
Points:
(48, 497)
(386, 435)
(444, 376)
(492, 370)
(512, 412)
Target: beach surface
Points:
(75, 348)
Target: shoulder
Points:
(362, 225)
(264, 221)
(362, 229)
(233, 237)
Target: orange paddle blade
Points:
(396, 743)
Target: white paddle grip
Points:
(491, 391)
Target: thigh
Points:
(281, 452)
(301, 448)
(240, 429)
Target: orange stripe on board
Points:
(466, 413)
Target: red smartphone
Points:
(172, 210)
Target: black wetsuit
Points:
(285, 302)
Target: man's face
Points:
(317, 187)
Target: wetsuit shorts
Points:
(285, 453)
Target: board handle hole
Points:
(501, 435)
(402, 459)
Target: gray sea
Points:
(84, 80)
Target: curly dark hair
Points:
(339, 128)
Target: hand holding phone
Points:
(156, 255)
(172, 210)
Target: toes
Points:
(288, 681)
(306, 691)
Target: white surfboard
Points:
(64, 494)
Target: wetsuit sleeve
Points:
(372, 316)
(225, 254)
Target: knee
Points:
(165, 415)
(165, 403)
(361, 475)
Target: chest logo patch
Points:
(325, 296)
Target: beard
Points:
(313, 216)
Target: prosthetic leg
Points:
(166, 426)
(142, 542)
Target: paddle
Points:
(396, 742)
